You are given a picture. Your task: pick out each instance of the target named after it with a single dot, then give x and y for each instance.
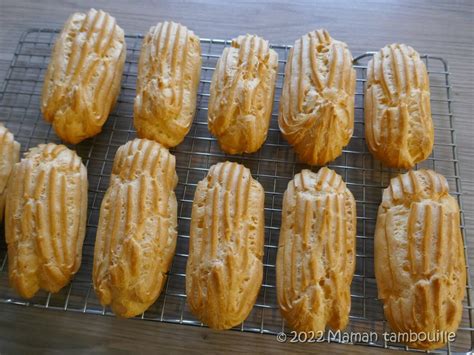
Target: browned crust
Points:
(45, 219)
(9, 155)
(316, 252)
(241, 95)
(82, 82)
(419, 256)
(224, 270)
(137, 231)
(398, 125)
(317, 103)
(169, 69)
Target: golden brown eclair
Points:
(419, 256)
(317, 103)
(224, 270)
(137, 231)
(316, 252)
(82, 82)
(168, 79)
(398, 125)
(45, 219)
(9, 155)
(241, 95)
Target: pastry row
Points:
(419, 256)
(316, 113)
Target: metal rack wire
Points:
(273, 165)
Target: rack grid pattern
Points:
(274, 166)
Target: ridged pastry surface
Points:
(316, 252)
(241, 94)
(45, 219)
(82, 82)
(9, 155)
(224, 270)
(317, 103)
(419, 257)
(137, 231)
(398, 125)
(168, 78)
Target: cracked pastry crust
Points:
(419, 256)
(398, 124)
(137, 231)
(316, 252)
(9, 155)
(45, 219)
(224, 270)
(241, 95)
(317, 103)
(169, 69)
(82, 82)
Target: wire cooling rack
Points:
(274, 166)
